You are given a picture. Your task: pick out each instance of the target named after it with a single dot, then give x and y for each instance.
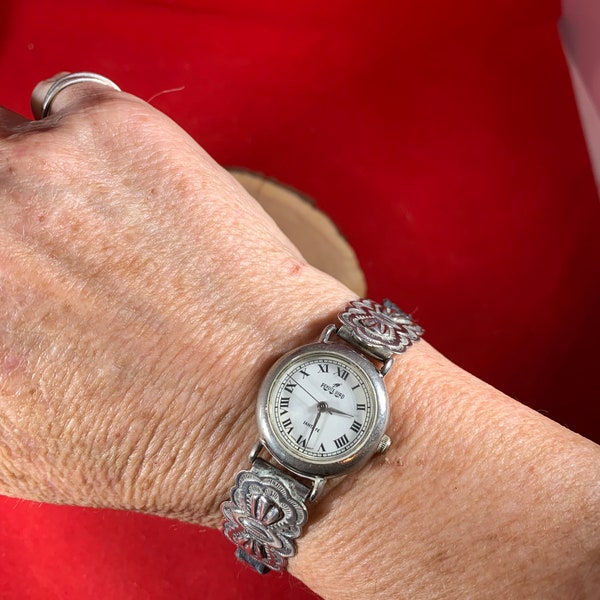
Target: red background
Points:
(444, 140)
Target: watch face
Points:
(322, 410)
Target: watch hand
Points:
(320, 410)
(303, 388)
(335, 411)
(329, 409)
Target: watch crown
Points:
(384, 443)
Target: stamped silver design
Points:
(380, 325)
(265, 515)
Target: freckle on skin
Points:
(12, 369)
(296, 268)
(10, 363)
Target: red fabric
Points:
(442, 137)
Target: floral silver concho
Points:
(380, 325)
(263, 518)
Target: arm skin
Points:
(143, 297)
(480, 497)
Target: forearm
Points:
(479, 497)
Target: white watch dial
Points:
(321, 407)
(322, 410)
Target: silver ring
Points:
(71, 79)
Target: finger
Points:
(11, 122)
(65, 91)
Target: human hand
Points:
(143, 294)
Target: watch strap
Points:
(267, 510)
(265, 515)
(379, 330)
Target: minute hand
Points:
(303, 388)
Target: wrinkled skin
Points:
(140, 301)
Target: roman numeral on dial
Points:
(287, 425)
(342, 373)
(356, 426)
(341, 441)
(284, 404)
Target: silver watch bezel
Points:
(305, 467)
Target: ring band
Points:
(71, 79)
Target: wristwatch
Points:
(322, 411)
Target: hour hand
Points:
(335, 411)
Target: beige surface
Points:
(580, 33)
(311, 230)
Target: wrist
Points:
(209, 426)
